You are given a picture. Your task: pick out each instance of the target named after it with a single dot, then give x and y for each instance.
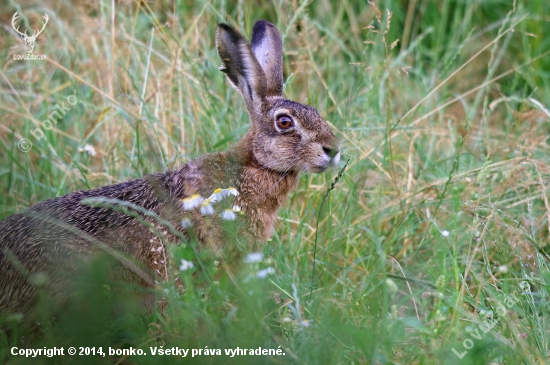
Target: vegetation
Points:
(440, 216)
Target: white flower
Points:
(503, 269)
(90, 150)
(206, 207)
(262, 274)
(237, 209)
(228, 215)
(253, 258)
(232, 191)
(186, 223)
(220, 193)
(186, 265)
(192, 202)
(217, 195)
(304, 323)
(445, 233)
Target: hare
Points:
(285, 138)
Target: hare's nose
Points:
(331, 151)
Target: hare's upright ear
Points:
(241, 67)
(267, 46)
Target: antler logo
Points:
(29, 40)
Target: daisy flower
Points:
(228, 215)
(262, 274)
(253, 258)
(186, 265)
(232, 191)
(192, 202)
(218, 195)
(90, 150)
(186, 223)
(206, 207)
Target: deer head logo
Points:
(29, 40)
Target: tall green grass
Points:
(439, 216)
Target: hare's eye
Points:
(284, 122)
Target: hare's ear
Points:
(241, 67)
(268, 48)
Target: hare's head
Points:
(285, 135)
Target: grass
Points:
(441, 214)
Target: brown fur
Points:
(55, 236)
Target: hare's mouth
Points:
(318, 169)
(323, 162)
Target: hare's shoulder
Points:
(205, 174)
